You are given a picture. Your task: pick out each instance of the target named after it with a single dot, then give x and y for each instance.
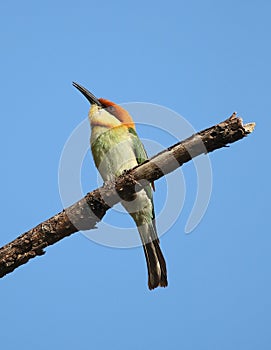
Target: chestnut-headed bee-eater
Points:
(115, 148)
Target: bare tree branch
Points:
(84, 214)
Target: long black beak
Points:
(88, 95)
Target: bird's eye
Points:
(111, 109)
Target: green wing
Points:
(139, 149)
(141, 156)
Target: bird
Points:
(117, 148)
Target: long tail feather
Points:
(157, 271)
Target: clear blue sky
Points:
(203, 59)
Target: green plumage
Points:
(116, 147)
(105, 145)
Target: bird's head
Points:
(104, 112)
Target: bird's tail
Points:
(157, 271)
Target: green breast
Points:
(113, 152)
(116, 150)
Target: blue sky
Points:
(202, 59)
